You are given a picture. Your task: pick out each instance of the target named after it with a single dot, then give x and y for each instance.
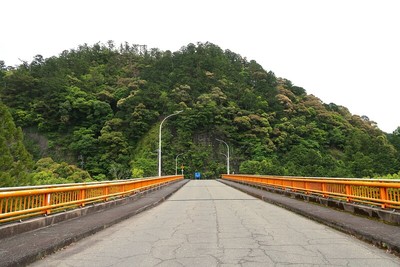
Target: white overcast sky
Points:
(342, 51)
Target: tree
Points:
(15, 161)
(49, 172)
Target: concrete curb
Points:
(28, 246)
(382, 235)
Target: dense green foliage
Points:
(49, 172)
(17, 167)
(99, 107)
(15, 161)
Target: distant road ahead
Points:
(207, 223)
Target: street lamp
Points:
(227, 155)
(176, 163)
(159, 141)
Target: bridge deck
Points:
(207, 223)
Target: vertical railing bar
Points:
(28, 202)
(324, 190)
(18, 203)
(11, 204)
(82, 197)
(384, 197)
(46, 202)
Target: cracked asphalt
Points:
(207, 223)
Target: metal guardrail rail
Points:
(383, 193)
(21, 202)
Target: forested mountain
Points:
(99, 107)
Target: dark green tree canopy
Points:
(15, 161)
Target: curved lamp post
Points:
(227, 155)
(159, 140)
(176, 163)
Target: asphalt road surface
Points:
(207, 223)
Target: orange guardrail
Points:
(22, 202)
(383, 193)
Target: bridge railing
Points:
(383, 193)
(21, 202)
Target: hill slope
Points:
(96, 105)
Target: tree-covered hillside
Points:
(99, 107)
